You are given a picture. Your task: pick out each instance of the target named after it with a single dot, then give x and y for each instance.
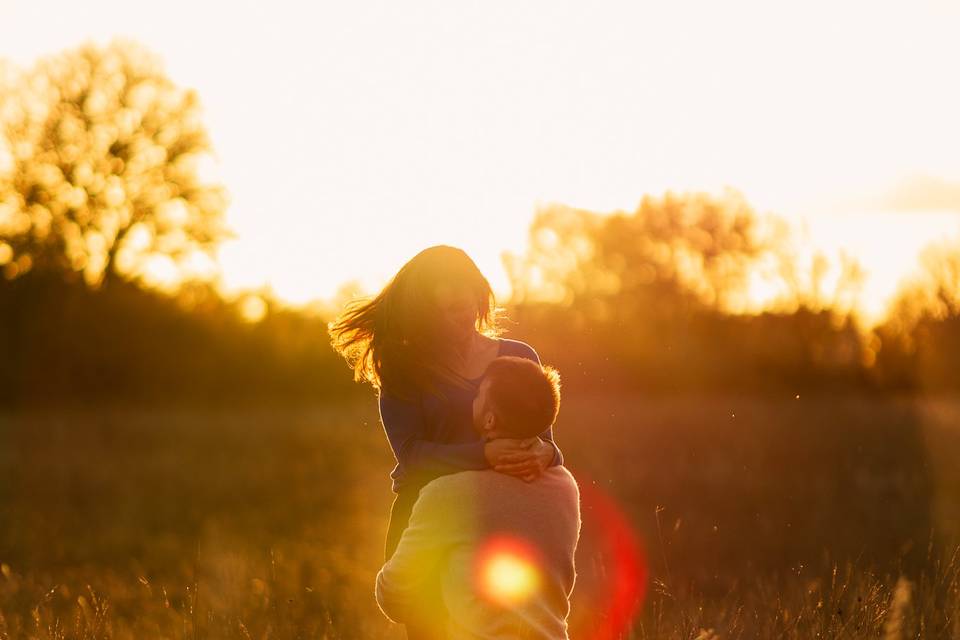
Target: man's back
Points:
(504, 549)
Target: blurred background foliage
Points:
(104, 168)
(103, 186)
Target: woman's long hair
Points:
(393, 341)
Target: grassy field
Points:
(764, 517)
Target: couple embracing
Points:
(485, 521)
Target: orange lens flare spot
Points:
(507, 570)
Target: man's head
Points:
(517, 398)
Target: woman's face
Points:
(457, 311)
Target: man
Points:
(501, 548)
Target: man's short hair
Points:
(524, 396)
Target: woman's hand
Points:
(504, 450)
(528, 463)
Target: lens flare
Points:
(623, 586)
(507, 570)
(510, 577)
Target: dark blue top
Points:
(434, 436)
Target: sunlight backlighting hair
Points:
(391, 340)
(524, 395)
(507, 570)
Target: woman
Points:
(424, 342)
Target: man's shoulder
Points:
(476, 480)
(472, 484)
(560, 474)
(560, 470)
(444, 497)
(459, 482)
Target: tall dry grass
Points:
(760, 517)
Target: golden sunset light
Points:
(345, 148)
(622, 320)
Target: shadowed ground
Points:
(271, 523)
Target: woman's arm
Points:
(547, 437)
(404, 425)
(531, 463)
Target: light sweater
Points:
(454, 521)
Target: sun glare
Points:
(507, 570)
(887, 245)
(348, 171)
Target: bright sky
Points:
(353, 134)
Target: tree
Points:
(921, 336)
(104, 169)
(690, 247)
(668, 295)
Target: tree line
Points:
(101, 181)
